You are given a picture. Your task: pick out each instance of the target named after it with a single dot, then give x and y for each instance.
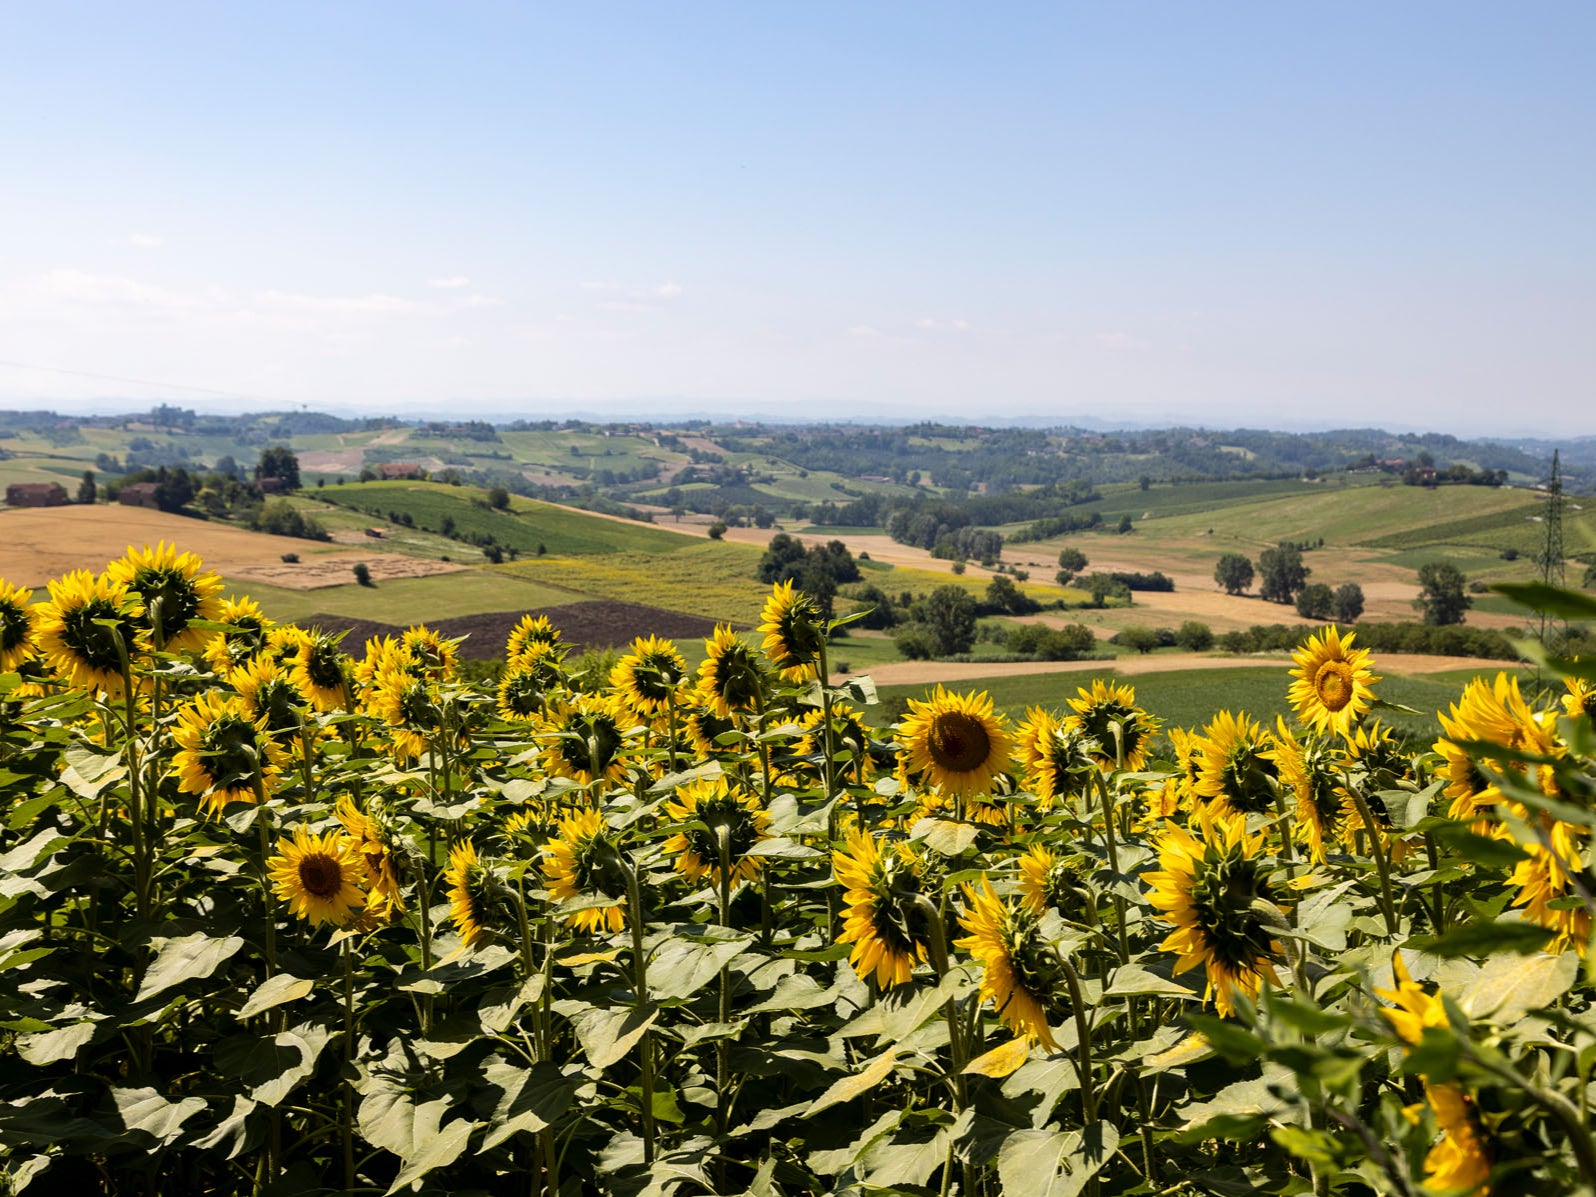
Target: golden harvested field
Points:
(46, 542)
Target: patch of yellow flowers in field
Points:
(567, 915)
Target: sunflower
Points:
(1459, 1163)
(270, 698)
(1237, 770)
(704, 727)
(1211, 886)
(794, 631)
(1579, 702)
(75, 643)
(249, 627)
(1412, 1006)
(175, 590)
(16, 626)
(533, 825)
(720, 808)
(408, 705)
(1375, 762)
(883, 921)
(1332, 686)
(434, 655)
(527, 683)
(1544, 880)
(1159, 803)
(731, 677)
(319, 671)
(1309, 771)
(1053, 754)
(581, 863)
(318, 876)
(1102, 709)
(955, 741)
(1495, 713)
(528, 632)
(1188, 752)
(585, 738)
(848, 735)
(381, 655)
(649, 676)
(223, 751)
(375, 844)
(1049, 882)
(474, 895)
(1021, 974)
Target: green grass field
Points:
(406, 601)
(561, 531)
(703, 577)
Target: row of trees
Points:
(1283, 578)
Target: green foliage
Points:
(279, 462)
(280, 517)
(1281, 573)
(1195, 636)
(1441, 596)
(1315, 601)
(948, 616)
(1234, 572)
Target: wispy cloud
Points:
(930, 324)
(864, 330)
(350, 305)
(452, 283)
(145, 241)
(668, 290)
(81, 287)
(1121, 342)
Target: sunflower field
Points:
(274, 920)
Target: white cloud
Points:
(342, 305)
(1121, 341)
(668, 290)
(864, 330)
(479, 301)
(950, 325)
(625, 305)
(145, 241)
(452, 283)
(81, 287)
(594, 286)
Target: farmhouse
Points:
(400, 469)
(138, 494)
(35, 494)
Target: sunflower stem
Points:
(1083, 1039)
(1113, 863)
(645, 1044)
(937, 944)
(1377, 850)
(347, 1121)
(723, 1010)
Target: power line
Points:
(146, 382)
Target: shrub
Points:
(1195, 636)
(363, 574)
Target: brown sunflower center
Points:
(958, 742)
(1333, 684)
(321, 875)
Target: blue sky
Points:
(1219, 214)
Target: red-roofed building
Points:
(35, 494)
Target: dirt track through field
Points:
(926, 673)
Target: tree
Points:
(1103, 587)
(1195, 636)
(1315, 601)
(717, 530)
(1234, 573)
(1347, 604)
(948, 613)
(1070, 563)
(87, 491)
(1002, 595)
(279, 462)
(499, 499)
(1441, 596)
(1138, 636)
(1281, 573)
(363, 574)
(1124, 524)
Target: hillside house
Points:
(35, 494)
(392, 470)
(138, 494)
